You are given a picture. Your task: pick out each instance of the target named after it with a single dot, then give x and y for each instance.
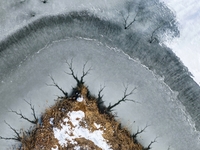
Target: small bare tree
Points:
(135, 135)
(80, 81)
(34, 121)
(20, 136)
(17, 136)
(124, 99)
(150, 145)
(162, 27)
(163, 21)
(57, 86)
(100, 102)
(155, 15)
(132, 13)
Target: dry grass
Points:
(42, 137)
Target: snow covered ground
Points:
(187, 47)
(151, 90)
(77, 131)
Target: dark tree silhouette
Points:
(163, 21)
(132, 13)
(100, 102)
(80, 81)
(169, 27)
(35, 121)
(21, 135)
(17, 136)
(124, 99)
(150, 145)
(157, 19)
(134, 136)
(56, 85)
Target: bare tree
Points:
(132, 13)
(80, 81)
(153, 35)
(158, 20)
(163, 22)
(56, 85)
(134, 136)
(149, 146)
(21, 135)
(100, 102)
(126, 17)
(124, 99)
(162, 27)
(17, 136)
(34, 121)
(100, 96)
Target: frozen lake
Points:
(157, 105)
(167, 95)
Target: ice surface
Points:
(29, 63)
(21, 13)
(186, 47)
(157, 103)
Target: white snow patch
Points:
(77, 148)
(51, 121)
(55, 148)
(80, 99)
(97, 125)
(68, 133)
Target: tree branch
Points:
(124, 99)
(35, 121)
(125, 19)
(100, 101)
(56, 85)
(72, 71)
(149, 146)
(162, 24)
(33, 111)
(84, 73)
(22, 116)
(134, 136)
(17, 137)
(129, 7)
(132, 21)
(153, 33)
(5, 138)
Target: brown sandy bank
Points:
(49, 134)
